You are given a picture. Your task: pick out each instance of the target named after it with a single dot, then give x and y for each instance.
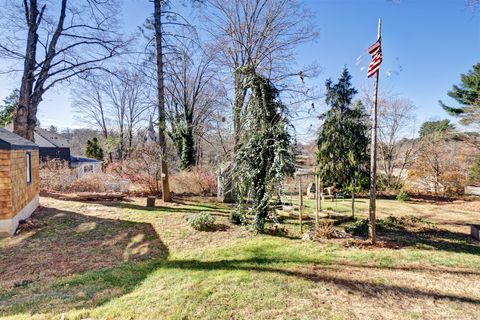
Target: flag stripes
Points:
(375, 51)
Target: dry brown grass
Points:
(228, 274)
(61, 241)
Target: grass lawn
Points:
(120, 260)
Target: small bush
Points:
(403, 196)
(325, 230)
(236, 217)
(358, 228)
(201, 221)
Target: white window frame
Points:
(28, 167)
(88, 168)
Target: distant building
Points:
(52, 145)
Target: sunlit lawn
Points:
(121, 261)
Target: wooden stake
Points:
(317, 195)
(373, 156)
(300, 209)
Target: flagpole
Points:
(373, 156)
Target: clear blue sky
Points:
(426, 45)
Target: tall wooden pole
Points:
(300, 209)
(373, 157)
(161, 100)
(317, 196)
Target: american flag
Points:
(375, 51)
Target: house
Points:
(51, 145)
(19, 180)
(83, 165)
(55, 146)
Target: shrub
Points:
(403, 196)
(236, 217)
(325, 230)
(143, 169)
(359, 228)
(56, 175)
(195, 180)
(201, 221)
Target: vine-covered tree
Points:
(7, 110)
(93, 149)
(343, 140)
(263, 156)
(467, 94)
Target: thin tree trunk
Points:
(161, 99)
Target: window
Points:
(88, 168)
(28, 166)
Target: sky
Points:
(426, 44)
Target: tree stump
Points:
(475, 232)
(150, 202)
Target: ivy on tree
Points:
(263, 155)
(93, 149)
(343, 141)
(467, 94)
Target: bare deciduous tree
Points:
(258, 37)
(396, 133)
(56, 42)
(114, 105)
(91, 104)
(192, 99)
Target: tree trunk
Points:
(22, 117)
(161, 99)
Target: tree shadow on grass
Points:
(320, 274)
(191, 208)
(66, 260)
(432, 238)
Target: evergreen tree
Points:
(93, 149)
(8, 108)
(263, 155)
(441, 126)
(342, 155)
(467, 94)
(474, 176)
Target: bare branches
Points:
(62, 40)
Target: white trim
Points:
(9, 226)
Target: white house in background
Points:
(52, 145)
(83, 165)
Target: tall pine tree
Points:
(342, 155)
(467, 94)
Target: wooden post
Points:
(373, 157)
(317, 195)
(353, 196)
(300, 200)
(150, 202)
